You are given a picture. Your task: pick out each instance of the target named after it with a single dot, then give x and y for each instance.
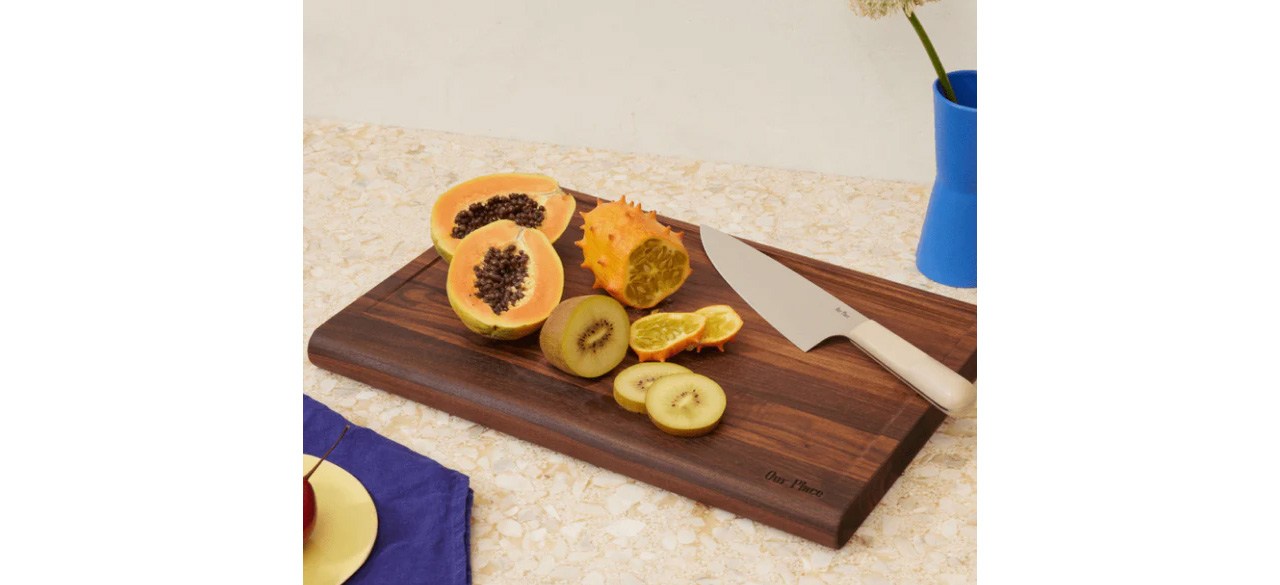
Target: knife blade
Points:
(806, 314)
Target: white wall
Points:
(801, 85)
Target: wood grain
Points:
(809, 442)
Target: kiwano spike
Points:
(611, 233)
(579, 244)
(585, 265)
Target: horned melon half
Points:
(635, 259)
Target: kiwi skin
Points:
(557, 325)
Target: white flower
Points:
(878, 8)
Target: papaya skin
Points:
(543, 287)
(559, 206)
(490, 330)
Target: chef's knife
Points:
(805, 314)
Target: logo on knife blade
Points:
(843, 313)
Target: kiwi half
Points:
(631, 384)
(686, 405)
(586, 336)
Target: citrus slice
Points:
(662, 335)
(723, 324)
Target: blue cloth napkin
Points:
(424, 509)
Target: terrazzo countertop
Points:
(542, 517)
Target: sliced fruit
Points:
(662, 335)
(723, 324)
(634, 258)
(505, 280)
(686, 405)
(533, 201)
(586, 336)
(631, 384)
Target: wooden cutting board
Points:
(809, 442)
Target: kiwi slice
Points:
(586, 336)
(686, 405)
(630, 385)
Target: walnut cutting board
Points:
(809, 442)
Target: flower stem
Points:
(933, 56)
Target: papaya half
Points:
(505, 279)
(532, 201)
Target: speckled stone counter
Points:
(542, 517)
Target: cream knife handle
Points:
(947, 390)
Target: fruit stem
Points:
(326, 453)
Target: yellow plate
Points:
(346, 525)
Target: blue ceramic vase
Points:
(948, 250)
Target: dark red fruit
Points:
(309, 494)
(308, 509)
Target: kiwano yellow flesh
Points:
(634, 258)
(723, 324)
(662, 335)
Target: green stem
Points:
(933, 56)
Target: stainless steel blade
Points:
(799, 309)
